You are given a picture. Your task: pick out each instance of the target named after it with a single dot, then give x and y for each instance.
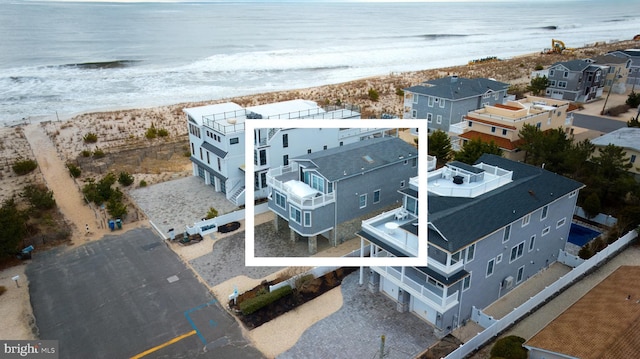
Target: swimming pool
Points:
(580, 235)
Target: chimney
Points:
(454, 78)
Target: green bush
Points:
(125, 179)
(538, 67)
(399, 92)
(509, 347)
(163, 132)
(39, 196)
(90, 138)
(585, 252)
(85, 153)
(212, 213)
(74, 170)
(373, 95)
(151, 133)
(253, 304)
(116, 208)
(22, 167)
(143, 183)
(98, 153)
(633, 100)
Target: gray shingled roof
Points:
(457, 88)
(465, 220)
(609, 59)
(574, 65)
(345, 161)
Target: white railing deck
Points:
(397, 237)
(303, 203)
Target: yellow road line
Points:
(165, 344)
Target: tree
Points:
(472, 150)
(633, 100)
(591, 205)
(509, 347)
(13, 224)
(575, 160)
(538, 84)
(39, 196)
(612, 162)
(125, 179)
(549, 148)
(440, 147)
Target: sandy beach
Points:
(121, 134)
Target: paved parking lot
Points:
(126, 294)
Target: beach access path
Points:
(80, 216)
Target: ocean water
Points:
(70, 57)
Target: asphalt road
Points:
(596, 123)
(124, 295)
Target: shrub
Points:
(152, 132)
(212, 213)
(163, 132)
(143, 183)
(509, 347)
(585, 252)
(538, 67)
(98, 153)
(399, 92)
(252, 305)
(116, 208)
(39, 196)
(90, 138)
(22, 167)
(74, 170)
(633, 100)
(125, 179)
(373, 95)
(2, 289)
(85, 153)
(617, 110)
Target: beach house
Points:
(633, 79)
(316, 192)
(490, 227)
(576, 80)
(616, 72)
(445, 101)
(501, 123)
(217, 141)
(629, 139)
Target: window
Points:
(329, 187)
(561, 222)
(490, 266)
(471, 252)
(520, 274)
(552, 83)
(507, 233)
(219, 164)
(208, 162)
(504, 132)
(516, 252)
(538, 125)
(442, 103)
(317, 182)
(429, 117)
(285, 160)
(466, 282)
(307, 219)
(401, 184)
(295, 215)
(234, 141)
(565, 74)
(200, 152)
(551, 72)
(544, 213)
(263, 157)
(308, 151)
(324, 147)
(406, 162)
(281, 200)
(470, 123)
(415, 98)
(493, 129)
(362, 202)
(439, 119)
(562, 84)
(430, 104)
(532, 242)
(414, 113)
(376, 196)
(285, 140)
(632, 159)
(499, 258)
(545, 231)
(414, 162)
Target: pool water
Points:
(580, 235)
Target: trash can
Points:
(112, 224)
(119, 223)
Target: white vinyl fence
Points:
(498, 326)
(211, 225)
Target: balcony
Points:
(285, 180)
(458, 128)
(444, 268)
(386, 227)
(415, 282)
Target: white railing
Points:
(440, 303)
(496, 328)
(303, 203)
(458, 128)
(447, 269)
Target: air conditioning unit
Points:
(507, 282)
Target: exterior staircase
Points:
(234, 196)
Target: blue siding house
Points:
(318, 191)
(490, 227)
(445, 101)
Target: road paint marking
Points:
(193, 325)
(165, 344)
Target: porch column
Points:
(276, 222)
(374, 282)
(293, 236)
(403, 301)
(333, 236)
(313, 244)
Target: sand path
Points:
(65, 190)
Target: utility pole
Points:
(615, 78)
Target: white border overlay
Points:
(252, 260)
